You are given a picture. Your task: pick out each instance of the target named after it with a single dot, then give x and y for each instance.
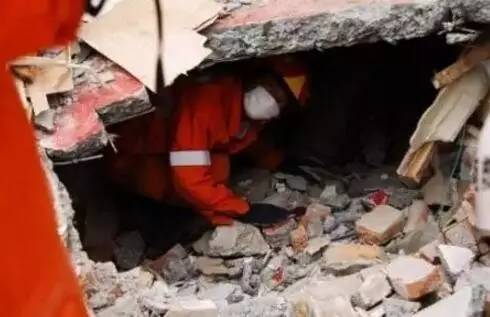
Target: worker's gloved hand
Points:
(264, 215)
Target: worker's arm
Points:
(190, 157)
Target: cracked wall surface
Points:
(279, 26)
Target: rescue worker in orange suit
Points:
(214, 120)
(36, 278)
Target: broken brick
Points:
(351, 258)
(380, 225)
(299, 239)
(412, 277)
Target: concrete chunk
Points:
(313, 219)
(236, 240)
(278, 235)
(373, 290)
(417, 216)
(350, 258)
(412, 277)
(380, 225)
(192, 308)
(468, 302)
(395, 307)
(455, 259)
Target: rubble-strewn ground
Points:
(384, 252)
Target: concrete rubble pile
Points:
(405, 245)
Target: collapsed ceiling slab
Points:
(285, 26)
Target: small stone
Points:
(316, 245)
(211, 266)
(129, 251)
(250, 281)
(274, 273)
(380, 225)
(342, 259)
(429, 251)
(418, 214)
(297, 183)
(455, 259)
(192, 308)
(378, 311)
(101, 283)
(412, 277)
(330, 224)
(395, 307)
(342, 232)
(278, 235)
(338, 306)
(373, 290)
(174, 266)
(462, 235)
(267, 306)
(236, 240)
(313, 219)
(413, 241)
(126, 306)
(332, 198)
(401, 198)
(299, 239)
(467, 302)
(218, 292)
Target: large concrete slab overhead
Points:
(270, 27)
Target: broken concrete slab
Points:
(236, 240)
(343, 259)
(270, 28)
(467, 302)
(380, 225)
(83, 112)
(415, 240)
(455, 260)
(395, 307)
(412, 277)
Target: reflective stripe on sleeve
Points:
(190, 158)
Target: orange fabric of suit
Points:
(36, 278)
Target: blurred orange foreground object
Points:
(36, 278)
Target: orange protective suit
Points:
(36, 278)
(188, 159)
